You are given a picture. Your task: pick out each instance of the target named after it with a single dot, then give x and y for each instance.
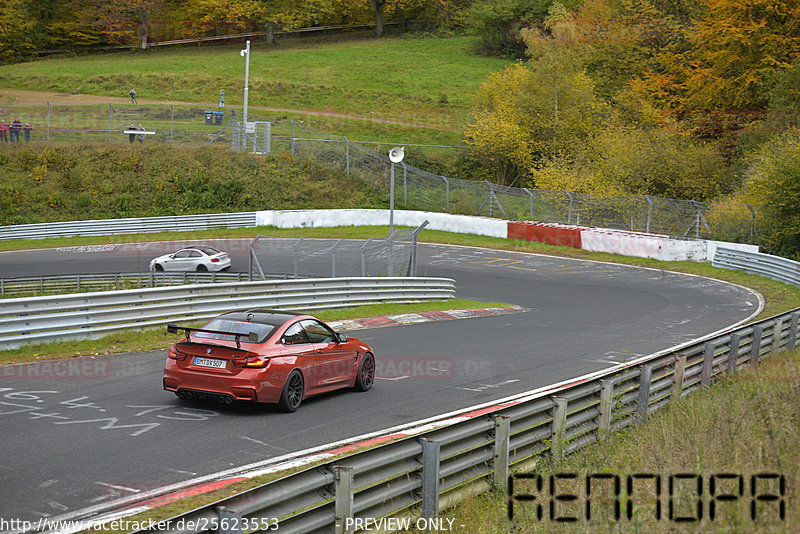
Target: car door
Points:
(335, 361)
(180, 261)
(296, 345)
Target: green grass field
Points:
(428, 81)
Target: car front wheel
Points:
(292, 394)
(159, 267)
(366, 373)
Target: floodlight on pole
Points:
(245, 54)
(396, 155)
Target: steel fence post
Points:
(405, 184)
(229, 522)
(343, 504)
(733, 353)
(569, 215)
(752, 222)
(558, 447)
(530, 195)
(606, 405)
(414, 235)
(171, 122)
(643, 402)
(755, 345)
(446, 194)
(364, 257)
(430, 478)
(777, 333)
(296, 258)
(47, 138)
(708, 364)
(649, 212)
(502, 438)
(291, 123)
(793, 331)
(110, 116)
(333, 258)
(347, 156)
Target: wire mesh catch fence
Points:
(415, 188)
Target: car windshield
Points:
(236, 327)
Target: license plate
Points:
(208, 362)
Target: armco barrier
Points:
(421, 473)
(129, 226)
(774, 267)
(89, 315)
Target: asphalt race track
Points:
(85, 431)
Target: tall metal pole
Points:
(391, 202)
(246, 53)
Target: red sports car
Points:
(265, 356)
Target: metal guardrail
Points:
(774, 267)
(90, 315)
(129, 226)
(417, 474)
(73, 283)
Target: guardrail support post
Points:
(777, 332)
(229, 522)
(430, 478)
(604, 421)
(343, 504)
(708, 364)
(733, 353)
(559, 428)
(793, 331)
(502, 437)
(642, 408)
(755, 345)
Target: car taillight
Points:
(252, 362)
(214, 260)
(175, 355)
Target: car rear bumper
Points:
(253, 387)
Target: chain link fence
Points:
(393, 255)
(415, 188)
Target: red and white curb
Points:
(423, 317)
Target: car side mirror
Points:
(341, 338)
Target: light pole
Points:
(246, 54)
(395, 156)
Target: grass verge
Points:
(744, 425)
(159, 338)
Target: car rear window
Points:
(237, 327)
(211, 251)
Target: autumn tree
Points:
(515, 123)
(731, 51)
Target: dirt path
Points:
(17, 97)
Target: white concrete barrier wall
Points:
(463, 224)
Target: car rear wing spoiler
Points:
(252, 337)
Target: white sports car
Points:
(198, 258)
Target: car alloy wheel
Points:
(366, 373)
(292, 394)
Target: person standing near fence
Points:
(141, 136)
(133, 97)
(27, 131)
(16, 127)
(3, 131)
(131, 135)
